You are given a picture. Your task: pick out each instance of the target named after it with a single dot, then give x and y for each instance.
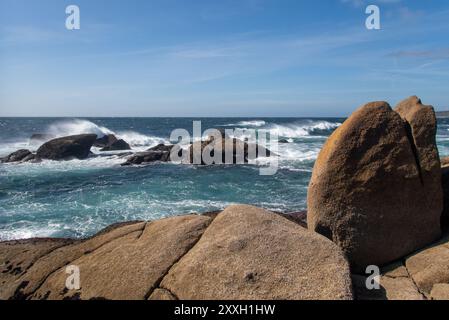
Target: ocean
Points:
(80, 197)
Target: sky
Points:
(222, 58)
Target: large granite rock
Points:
(36, 274)
(130, 267)
(245, 253)
(445, 182)
(17, 256)
(250, 253)
(70, 147)
(373, 190)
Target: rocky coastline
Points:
(378, 197)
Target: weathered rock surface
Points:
(41, 269)
(430, 266)
(445, 183)
(394, 284)
(117, 146)
(16, 156)
(16, 257)
(440, 291)
(132, 266)
(70, 147)
(105, 141)
(250, 253)
(373, 191)
(422, 275)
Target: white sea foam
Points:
(252, 123)
(137, 141)
(77, 126)
(298, 130)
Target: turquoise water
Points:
(78, 198)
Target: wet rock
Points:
(105, 141)
(17, 156)
(238, 151)
(118, 145)
(66, 148)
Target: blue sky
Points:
(197, 58)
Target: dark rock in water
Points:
(105, 141)
(117, 146)
(375, 190)
(17, 156)
(65, 148)
(283, 141)
(41, 137)
(31, 158)
(226, 146)
(162, 147)
(145, 157)
(160, 152)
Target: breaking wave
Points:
(77, 126)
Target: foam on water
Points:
(299, 130)
(252, 123)
(76, 126)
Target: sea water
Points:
(80, 197)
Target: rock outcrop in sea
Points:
(70, 147)
(21, 155)
(237, 150)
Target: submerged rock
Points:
(118, 145)
(375, 188)
(70, 147)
